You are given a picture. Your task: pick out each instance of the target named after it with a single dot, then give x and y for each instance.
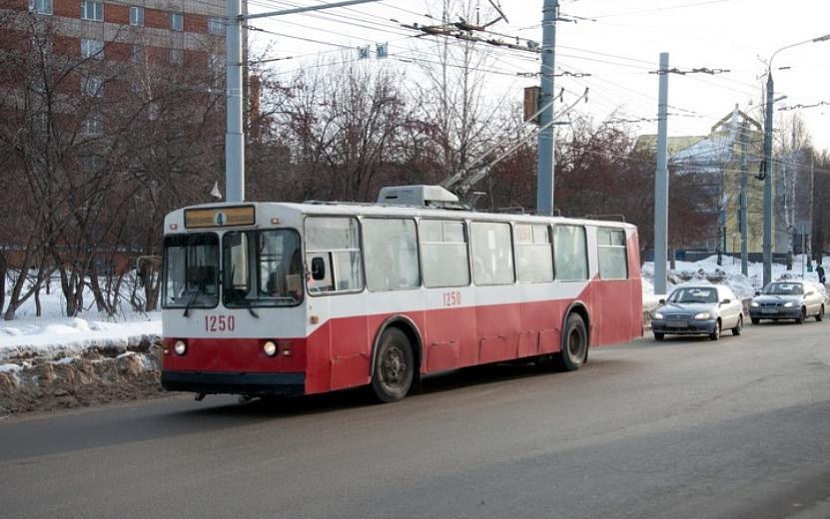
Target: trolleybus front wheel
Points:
(394, 366)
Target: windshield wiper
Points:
(190, 301)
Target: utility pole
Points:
(546, 142)
(234, 138)
(661, 181)
(743, 211)
(768, 183)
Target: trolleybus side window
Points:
(191, 271)
(390, 249)
(444, 253)
(492, 253)
(570, 253)
(613, 261)
(333, 254)
(534, 257)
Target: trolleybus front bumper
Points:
(234, 383)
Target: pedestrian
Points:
(820, 272)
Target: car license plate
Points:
(769, 311)
(677, 325)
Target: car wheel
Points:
(754, 320)
(820, 314)
(715, 335)
(394, 367)
(800, 319)
(658, 336)
(738, 327)
(574, 343)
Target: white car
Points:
(698, 309)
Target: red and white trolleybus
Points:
(284, 298)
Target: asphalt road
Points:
(684, 428)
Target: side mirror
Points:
(757, 292)
(662, 301)
(726, 301)
(318, 269)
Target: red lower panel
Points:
(236, 355)
(339, 353)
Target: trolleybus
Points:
(304, 298)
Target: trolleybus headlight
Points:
(270, 348)
(180, 347)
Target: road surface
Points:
(682, 428)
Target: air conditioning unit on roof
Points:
(419, 196)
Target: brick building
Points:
(119, 46)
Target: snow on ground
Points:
(729, 273)
(53, 334)
(58, 336)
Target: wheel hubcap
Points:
(393, 367)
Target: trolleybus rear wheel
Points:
(574, 343)
(394, 366)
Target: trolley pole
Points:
(661, 181)
(547, 140)
(234, 135)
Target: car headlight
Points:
(789, 305)
(658, 315)
(703, 315)
(754, 304)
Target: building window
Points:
(92, 10)
(92, 86)
(137, 16)
(92, 49)
(92, 125)
(40, 6)
(176, 56)
(216, 25)
(176, 21)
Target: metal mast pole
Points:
(234, 143)
(546, 142)
(744, 225)
(234, 137)
(768, 183)
(661, 181)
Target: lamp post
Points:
(768, 159)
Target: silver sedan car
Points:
(796, 300)
(702, 309)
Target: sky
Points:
(617, 42)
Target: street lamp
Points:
(768, 159)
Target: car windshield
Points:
(784, 289)
(694, 295)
